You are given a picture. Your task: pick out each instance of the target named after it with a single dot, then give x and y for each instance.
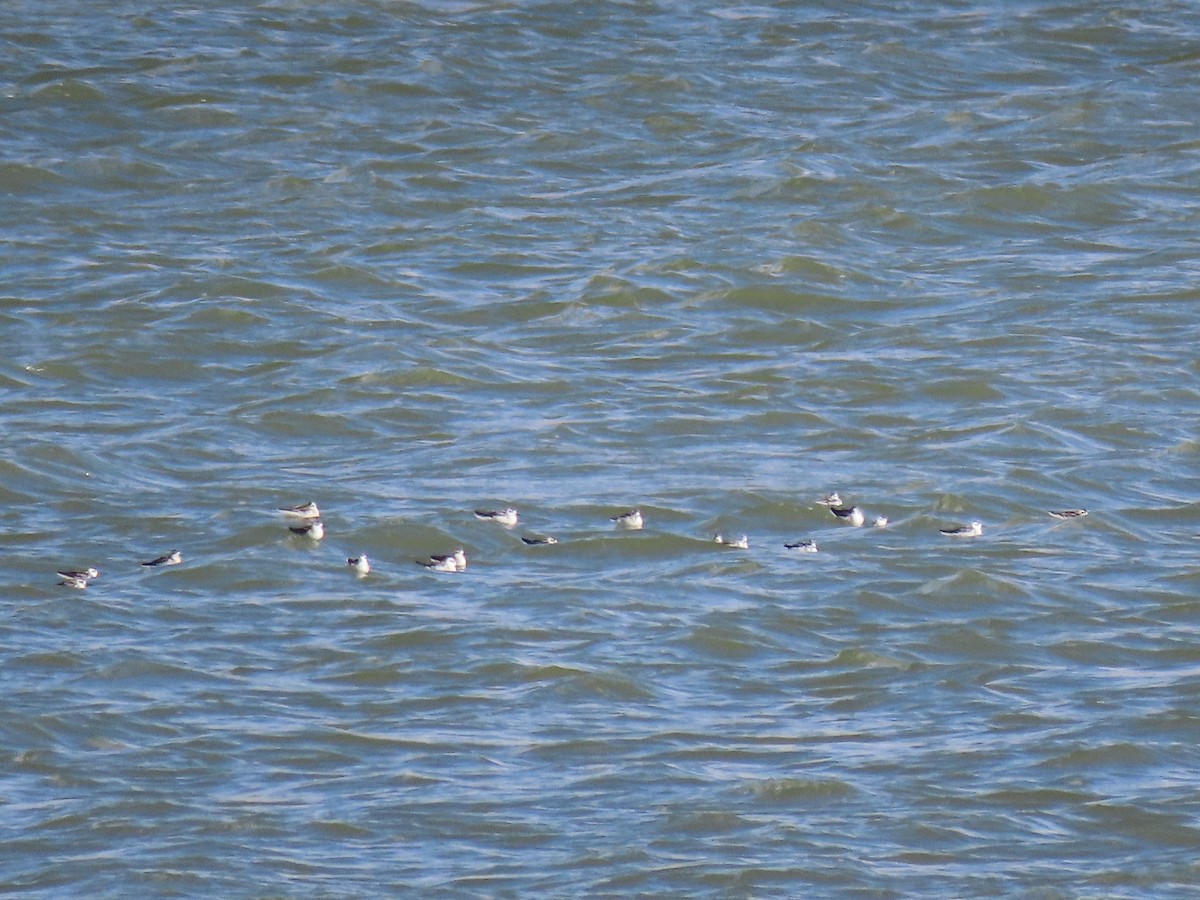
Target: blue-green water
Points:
(412, 259)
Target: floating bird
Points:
(360, 564)
(975, 529)
(74, 582)
(454, 562)
(631, 521)
(806, 546)
(539, 541)
(880, 522)
(82, 575)
(313, 530)
(459, 557)
(742, 543)
(173, 558)
(449, 562)
(850, 514)
(833, 499)
(303, 511)
(1069, 513)
(506, 517)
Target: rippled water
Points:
(411, 259)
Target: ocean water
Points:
(711, 261)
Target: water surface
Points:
(712, 261)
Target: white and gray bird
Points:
(507, 517)
(447, 562)
(303, 511)
(630, 521)
(79, 574)
(314, 530)
(805, 546)
(742, 543)
(852, 515)
(975, 529)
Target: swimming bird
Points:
(173, 558)
(1068, 513)
(84, 574)
(630, 521)
(850, 514)
(833, 499)
(506, 517)
(975, 529)
(454, 562)
(742, 543)
(360, 564)
(538, 541)
(880, 522)
(314, 530)
(303, 511)
(74, 582)
(806, 546)
(448, 562)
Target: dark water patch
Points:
(17, 178)
(801, 792)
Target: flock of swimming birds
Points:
(305, 521)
